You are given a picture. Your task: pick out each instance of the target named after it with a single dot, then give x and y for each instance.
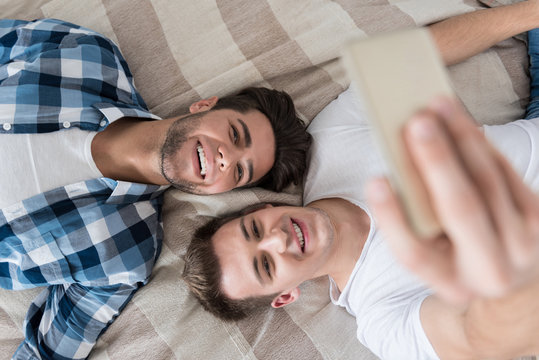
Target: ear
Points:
(203, 105)
(287, 297)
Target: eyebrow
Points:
(255, 260)
(244, 229)
(246, 133)
(248, 143)
(250, 171)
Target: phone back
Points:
(396, 75)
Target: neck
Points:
(129, 150)
(351, 227)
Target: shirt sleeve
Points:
(392, 330)
(56, 75)
(518, 141)
(64, 321)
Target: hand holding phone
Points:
(489, 244)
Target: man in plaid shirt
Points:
(80, 208)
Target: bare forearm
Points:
(463, 36)
(488, 256)
(505, 328)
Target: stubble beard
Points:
(327, 223)
(177, 135)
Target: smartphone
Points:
(395, 75)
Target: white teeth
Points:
(202, 159)
(299, 234)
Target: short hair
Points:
(202, 273)
(292, 140)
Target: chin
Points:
(191, 190)
(206, 191)
(182, 185)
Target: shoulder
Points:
(28, 40)
(345, 110)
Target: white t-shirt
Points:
(35, 163)
(383, 296)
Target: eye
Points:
(255, 230)
(240, 172)
(235, 134)
(265, 264)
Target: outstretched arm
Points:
(463, 36)
(488, 258)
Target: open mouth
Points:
(201, 160)
(299, 233)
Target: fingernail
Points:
(442, 106)
(422, 128)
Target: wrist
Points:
(531, 13)
(489, 324)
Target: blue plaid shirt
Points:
(91, 244)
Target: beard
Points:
(329, 225)
(177, 135)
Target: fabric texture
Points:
(181, 51)
(55, 74)
(533, 51)
(384, 297)
(26, 158)
(92, 244)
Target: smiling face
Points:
(216, 151)
(273, 250)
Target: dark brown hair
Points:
(202, 273)
(291, 137)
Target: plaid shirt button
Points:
(6, 126)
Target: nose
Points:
(274, 241)
(225, 157)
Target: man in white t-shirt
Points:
(486, 289)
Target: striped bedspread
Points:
(182, 50)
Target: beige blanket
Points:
(182, 50)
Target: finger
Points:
(458, 203)
(488, 170)
(523, 247)
(510, 202)
(431, 261)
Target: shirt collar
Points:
(113, 112)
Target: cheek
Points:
(292, 274)
(218, 130)
(223, 183)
